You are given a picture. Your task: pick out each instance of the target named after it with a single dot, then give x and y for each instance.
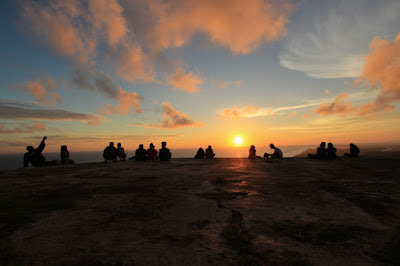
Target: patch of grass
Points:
(318, 232)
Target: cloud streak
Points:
(19, 111)
(329, 48)
(24, 128)
(248, 111)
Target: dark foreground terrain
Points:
(224, 211)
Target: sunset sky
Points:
(197, 73)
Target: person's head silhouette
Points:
(272, 146)
(151, 146)
(163, 144)
(30, 148)
(119, 145)
(111, 144)
(141, 146)
(323, 144)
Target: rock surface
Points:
(222, 211)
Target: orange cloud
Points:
(188, 82)
(327, 91)
(173, 119)
(382, 69)
(240, 26)
(127, 101)
(248, 111)
(77, 30)
(59, 24)
(43, 90)
(226, 84)
(292, 114)
(108, 17)
(36, 127)
(132, 64)
(338, 106)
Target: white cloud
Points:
(334, 45)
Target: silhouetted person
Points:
(277, 152)
(110, 153)
(209, 153)
(152, 153)
(354, 151)
(252, 152)
(121, 152)
(200, 154)
(165, 154)
(331, 152)
(35, 157)
(321, 152)
(65, 159)
(140, 154)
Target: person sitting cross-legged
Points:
(110, 153)
(165, 154)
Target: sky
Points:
(198, 73)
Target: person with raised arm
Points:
(35, 157)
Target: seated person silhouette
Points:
(331, 152)
(140, 154)
(65, 159)
(277, 153)
(35, 157)
(252, 153)
(210, 153)
(110, 153)
(354, 151)
(321, 152)
(152, 153)
(165, 154)
(200, 154)
(121, 152)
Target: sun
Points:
(238, 141)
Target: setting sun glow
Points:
(238, 141)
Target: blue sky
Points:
(196, 73)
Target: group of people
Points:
(112, 154)
(36, 158)
(208, 154)
(275, 155)
(330, 152)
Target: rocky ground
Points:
(222, 211)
